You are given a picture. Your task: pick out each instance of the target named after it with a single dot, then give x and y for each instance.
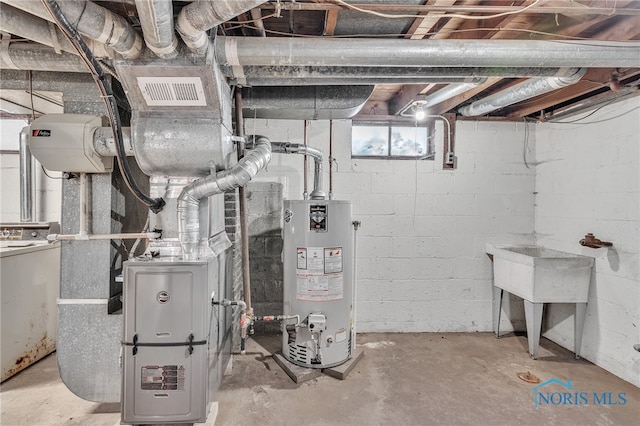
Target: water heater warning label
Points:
(319, 273)
(162, 377)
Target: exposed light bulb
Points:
(420, 114)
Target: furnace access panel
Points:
(165, 342)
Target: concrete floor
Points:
(404, 379)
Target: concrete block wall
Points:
(421, 252)
(588, 180)
(264, 207)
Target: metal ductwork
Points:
(224, 181)
(37, 57)
(304, 102)
(197, 18)
(520, 92)
(26, 178)
(30, 27)
(156, 18)
(451, 91)
(296, 148)
(273, 75)
(181, 114)
(291, 52)
(92, 21)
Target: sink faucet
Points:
(590, 241)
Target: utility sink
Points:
(540, 275)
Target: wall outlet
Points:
(450, 159)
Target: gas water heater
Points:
(318, 283)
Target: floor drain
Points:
(528, 377)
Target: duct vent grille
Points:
(172, 91)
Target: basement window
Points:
(392, 141)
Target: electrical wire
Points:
(33, 110)
(106, 91)
(440, 15)
(48, 175)
(390, 35)
(577, 121)
(525, 142)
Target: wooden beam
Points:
(461, 9)
(422, 26)
(330, 21)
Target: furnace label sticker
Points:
(332, 260)
(162, 377)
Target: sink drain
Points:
(528, 377)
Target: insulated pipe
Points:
(196, 18)
(520, 92)
(156, 19)
(26, 178)
(224, 181)
(25, 25)
(451, 91)
(291, 52)
(93, 21)
(36, 57)
(296, 75)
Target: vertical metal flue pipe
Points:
(218, 183)
(26, 178)
(296, 148)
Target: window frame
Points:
(429, 125)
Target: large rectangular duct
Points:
(181, 114)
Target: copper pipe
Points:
(242, 199)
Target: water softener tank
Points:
(318, 283)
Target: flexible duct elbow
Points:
(224, 181)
